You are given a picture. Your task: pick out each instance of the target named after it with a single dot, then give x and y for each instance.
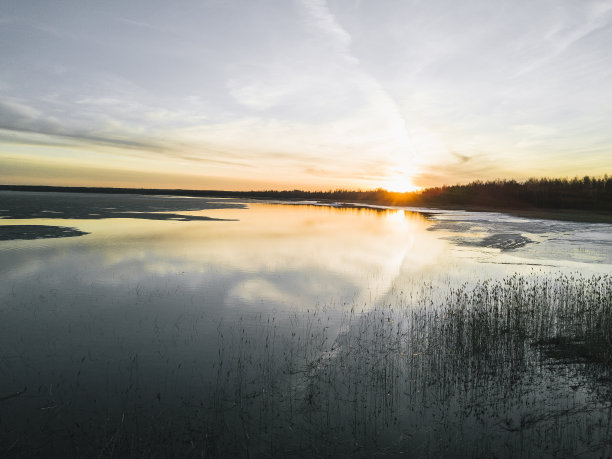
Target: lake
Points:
(174, 326)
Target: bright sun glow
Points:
(400, 185)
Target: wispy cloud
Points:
(320, 18)
(464, 169)
(570, 28)
(18, 116)
(460, 157)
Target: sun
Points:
(400, 185)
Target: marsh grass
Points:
(518, 367)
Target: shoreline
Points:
(575, 215)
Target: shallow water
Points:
(131, 317)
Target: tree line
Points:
(586, 193)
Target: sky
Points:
(308, 94)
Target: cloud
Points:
(370, 170)
(320, 18)
(464, 169)
(262, 86)
(43, 129)
(564, 27)
(20, 117)
(136, 23)
(257, 95)
(379, 126)
(462, 158)
(25, 124)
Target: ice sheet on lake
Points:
(527, 237)
(19, 205)
(26, 232)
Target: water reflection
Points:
(285, 256)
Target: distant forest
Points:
(585, 193)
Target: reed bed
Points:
(511, 368)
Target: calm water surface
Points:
(129, 314)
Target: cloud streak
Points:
(320, 18)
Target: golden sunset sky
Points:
(308, 94)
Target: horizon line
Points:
(330, 190)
